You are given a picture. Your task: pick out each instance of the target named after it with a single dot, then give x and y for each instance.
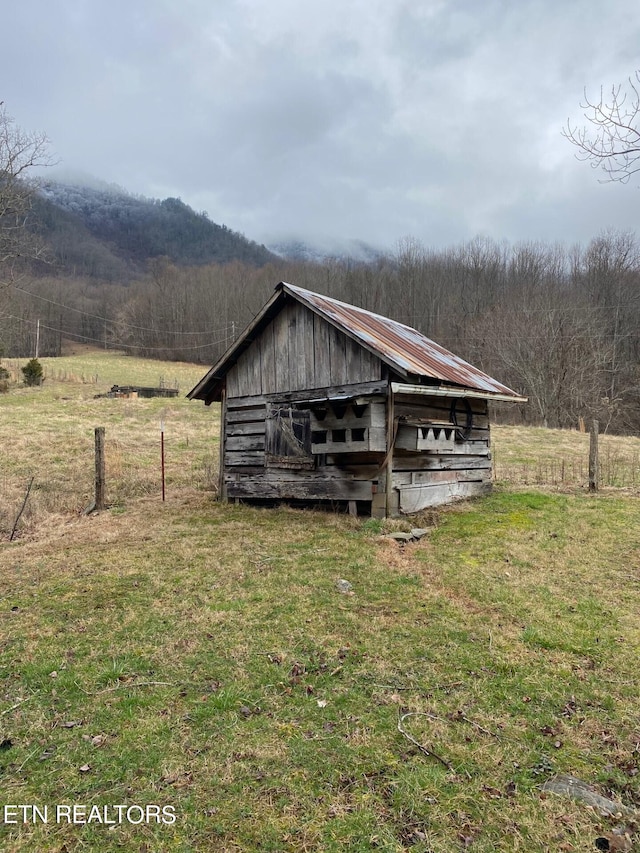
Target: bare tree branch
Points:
(611, 141)
(20, 153)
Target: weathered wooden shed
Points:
(324, 402)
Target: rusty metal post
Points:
(162, 455)
(100, 478)
(593, 457)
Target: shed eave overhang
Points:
(453, 391)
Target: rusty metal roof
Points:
(400, 346)
(405, 350)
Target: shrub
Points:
(32, 372)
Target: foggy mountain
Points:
(102, 231)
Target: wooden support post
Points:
(593, 458)
(390, 442)
(100, 489)
(222, 491)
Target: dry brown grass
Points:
(49, 432)
(560, 458)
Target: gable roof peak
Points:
(409, 353)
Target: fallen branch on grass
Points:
(417, 743)
(17, 705)
(19, 515)
(459, 715)
(122, 684)
(425, 694)
(134, 684)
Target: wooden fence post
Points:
(593, 457)
(100, 488)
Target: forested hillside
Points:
(559, 324)
(105, 232)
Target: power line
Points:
(119, 345)
(226, 339)
(117, 322)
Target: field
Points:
(200, 658)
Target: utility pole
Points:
(37, 337)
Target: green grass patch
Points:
(215, 668)
(199, 657)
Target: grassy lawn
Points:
(199, 657)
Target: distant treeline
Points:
(561, 325)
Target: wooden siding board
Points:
(304, 379)
(244, 442)
(267, 360)
(246, 416)
(243, 374)
(308, 347)
(477, 405)
(416, 498)
(223, 428)
(439, 409)
(248, 402)
(291, 312)
(477, 475)
(250, 458)
(321, 333)
(233, 383)
(370, 366)
(433, 462)
(281, 351)
(301, 488)
(353, 360)
(330, 393)
(254, 367)
(245, 428)
(244, 377)
(337, 356)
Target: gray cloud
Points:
(439, 119)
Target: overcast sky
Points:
(368, 119)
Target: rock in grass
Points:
(419, 532)
(400, 536)
(344, 587)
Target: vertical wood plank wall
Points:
(300, 350)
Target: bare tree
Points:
(611, 140)
(20, 153)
